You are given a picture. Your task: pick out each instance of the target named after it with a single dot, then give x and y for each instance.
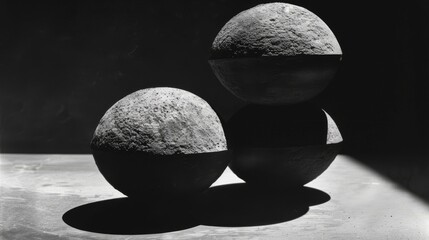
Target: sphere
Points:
(160, 142)
(282, 147)
(275, 53)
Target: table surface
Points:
(58, 196)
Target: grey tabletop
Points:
(59, 197)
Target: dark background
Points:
(64, 63)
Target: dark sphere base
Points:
(282, 168)
(158, 178)
(276, 80)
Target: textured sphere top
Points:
(161, 121)
(274, 29)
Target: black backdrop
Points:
(63, 63)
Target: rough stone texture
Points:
(162, 121)
(275, 29)
(333, 135)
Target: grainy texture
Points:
(37, 190)
(275, 29)
(161, 121)
(333, 135)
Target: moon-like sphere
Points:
(160, 142)
(282, 147)
(161, 121)
(275, 53)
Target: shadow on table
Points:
(232, 205)
(238, 205)
(410, 171)
(124, 216)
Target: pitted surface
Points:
(160, 121)
(333, 135)
(275, 29)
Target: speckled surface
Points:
(37, 190)
(162, 121)
(333, 134)
(275, 29)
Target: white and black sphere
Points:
(160, 142)
(282, 146)
(275, 53)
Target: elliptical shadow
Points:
(126, 216)
(232, 205)
(239, 205)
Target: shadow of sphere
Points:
(128, 217)
(238, 205)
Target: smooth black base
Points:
(276, 80)
(279, 168)
(158, 177)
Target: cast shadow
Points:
(233, 205)
(410, 171)
(239, 205)
(125, 216)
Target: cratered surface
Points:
(275, 29)
(161, 121)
